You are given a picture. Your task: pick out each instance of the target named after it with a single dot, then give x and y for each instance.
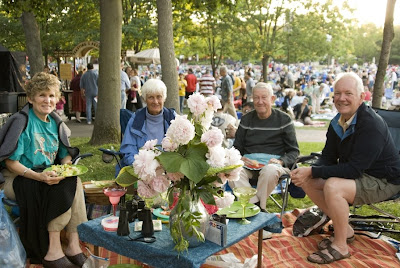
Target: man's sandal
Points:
(322, 258)
(324, 243)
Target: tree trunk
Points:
(167, 53)
(107, 128)
(33, 43)
(388, 35)
(265, 67)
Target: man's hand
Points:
(230, 131)
(301, 175)
(275, 161)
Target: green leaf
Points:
(195, 166)
(171, 161)
(213, 171)
(207, 197)
(127, 176)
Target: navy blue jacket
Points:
(366, 147)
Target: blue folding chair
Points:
(385, 222)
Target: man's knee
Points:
(270, 172)
(339, 187)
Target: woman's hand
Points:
(49, 177)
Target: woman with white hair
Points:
(148, 123)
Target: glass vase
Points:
(177, 219)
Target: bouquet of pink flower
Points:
(191, 159)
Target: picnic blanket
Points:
(284, 250)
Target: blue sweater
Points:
(136, 135)
(366, 147)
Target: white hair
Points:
(266, 86)
(154, 86)
(355, 77)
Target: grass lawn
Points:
(98, 170)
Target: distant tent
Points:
(11, 75)
(147, 56)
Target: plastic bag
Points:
(94, 261)
(12, 252)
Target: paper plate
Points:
(253, 167)
(235, 210)
(157, 213)
(261, 158)
(68, 170)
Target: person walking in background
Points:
(182, 90)
(125, 87)
(191, 80)
(60, 105)
(78, 99)
(135, 96)
(207, 84)
(227, 93)
(89, 89)
(249, 86)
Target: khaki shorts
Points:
(371, 190)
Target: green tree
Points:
(318, 32)
(32, 12)
(395, 49)
(367, 39)
(139, 24)
(11, 32)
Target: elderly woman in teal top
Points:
(32, 140)
(148, 123)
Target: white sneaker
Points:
(89, 123)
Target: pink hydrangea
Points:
(233, 157)
(145, 164)
(177, 176)
(214, 102)
(160, 184)
(216, 156)
(181, 130)
(168, 144)
(233, 175)
(197, 104)
(212, 137)
(150, 145)
(225, 201)
(144, 190)
(206, 119)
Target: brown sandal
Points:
(323, 258)
(324, 243)
(62, 262)
(78, 259)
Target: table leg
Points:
(260, 245)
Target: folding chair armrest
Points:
(79, 157)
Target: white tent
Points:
(147, 56)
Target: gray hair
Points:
(267, 86)
(223, 68)
(355, 77)
(154, 86)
